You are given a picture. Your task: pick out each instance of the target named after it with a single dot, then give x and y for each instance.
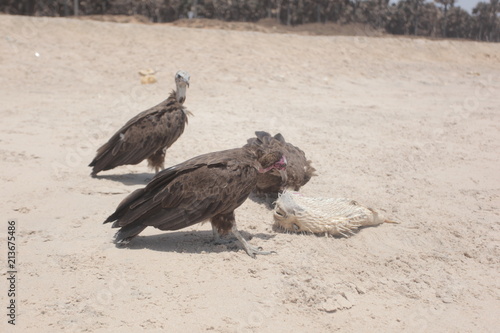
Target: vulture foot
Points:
(252, 251)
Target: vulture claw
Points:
(251, 250)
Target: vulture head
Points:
(181, 81)
(274, 161)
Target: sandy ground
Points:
(407, 126)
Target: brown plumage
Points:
(207, 187)
(147, 135)
(299, 170)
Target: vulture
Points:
(147, 135)
(206, 187)
(299, 170)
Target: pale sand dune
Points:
(408, 126)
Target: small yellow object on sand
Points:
(147, 76)
(297, 213)
(148, 79)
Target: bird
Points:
(299, 169)
(296, 213)
(147, 135)
(206, 187)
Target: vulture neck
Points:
(181, 93)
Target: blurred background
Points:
(468, 19)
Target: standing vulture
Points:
(207, 187)
(299, 170)
(147, 135)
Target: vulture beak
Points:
(284, 176)
(185, 80)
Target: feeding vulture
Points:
(299, 170)
(207, 187)
(147, 135)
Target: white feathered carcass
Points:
(294, 212)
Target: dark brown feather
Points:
(147, 135)
(209, 186)
(299, 169)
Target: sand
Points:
(406, 126)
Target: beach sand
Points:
(408, 126)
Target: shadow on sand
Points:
(267, 200)
(129, 178)
(192, 242)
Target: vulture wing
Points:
(186, 194)
(149, 131)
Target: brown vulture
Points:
(207, 187)
(299, 170)
(147, 135)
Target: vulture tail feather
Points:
(125, 234)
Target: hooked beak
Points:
(284, 177)
(184, 80)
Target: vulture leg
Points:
(250, 250)
(216, 234)
(217, 239)
(157, 160)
